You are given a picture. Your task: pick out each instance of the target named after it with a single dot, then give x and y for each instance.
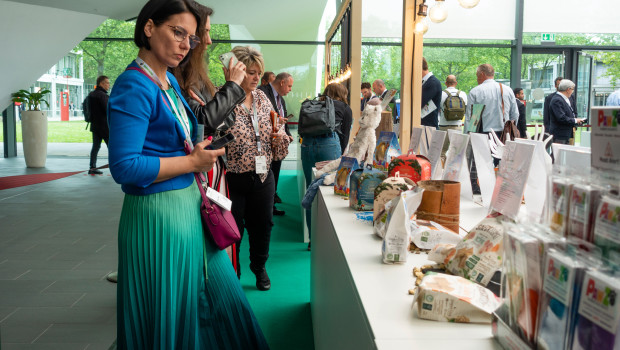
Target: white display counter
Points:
(358, 302)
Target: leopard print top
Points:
(242, 152)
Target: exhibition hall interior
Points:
(489, 224)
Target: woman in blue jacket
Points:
(176, 290)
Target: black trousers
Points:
(97, 138)
(252, 207)
(275, 168)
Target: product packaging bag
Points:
(396, 240)
(447, 298)
(582, 208)
(389, 189)
(428, 234)
(386, 149)
(607, 228)
(363, 184)
(599, 313)
(559, 203)
(341, 183)
(563, 279)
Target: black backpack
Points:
(453, 106)
(317, 117)
(86, 109)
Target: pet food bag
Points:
(416, 168)
(389, 189)
(386, 149)
(396, 239)
(428, 234)
(341, 183)
(362, 188)
(479, 255)
(447, 298)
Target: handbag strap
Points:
(501, 96)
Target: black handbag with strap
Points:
(510, 128)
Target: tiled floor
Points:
(57, 244)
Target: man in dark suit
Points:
(547, 103)
(98, 106)
(522, 123)
(431, 91)
(279, 88)
(562, 116)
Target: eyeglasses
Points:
(180, 34)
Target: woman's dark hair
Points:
(193, 72)
(159, 11)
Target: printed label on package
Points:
(514, 169)
(559, 279)
(599, 301)
(605, 138)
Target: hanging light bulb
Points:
(438, 13)
(421, 26)
(469, 3)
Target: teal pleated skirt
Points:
(163, 300)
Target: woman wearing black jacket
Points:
(344, 114)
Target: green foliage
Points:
(33, 99)
(108, 57)
(221, 32)
(57, 131)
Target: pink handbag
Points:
(217, 222)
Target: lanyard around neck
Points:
(180, 114)
(254, 117)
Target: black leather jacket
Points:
(217, 113)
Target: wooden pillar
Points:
(356, 65)
(411, 74)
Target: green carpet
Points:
(284, 311)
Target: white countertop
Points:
(383, 289)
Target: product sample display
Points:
(396, 240)
(428, 234)
(599, 313)
(479, 255)
(341, 183)
(416, 168)
(558, 204)
(363, 183)
(607, 228)
(448, 298)
(560, 299)
(387, 148)
(441, 203)
(389, 189)
(582, 207)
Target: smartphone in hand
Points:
(225, 58)
(221, 142)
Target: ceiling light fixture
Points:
(469, 3)
(438, 13)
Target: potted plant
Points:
(34, 126)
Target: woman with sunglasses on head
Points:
(175, 290)
(250, 180)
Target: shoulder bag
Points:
(217, 222)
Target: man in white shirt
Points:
(499, 101)
(445, 124)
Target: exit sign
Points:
(547, 37)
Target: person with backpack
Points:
(453, 105)
(95, 112)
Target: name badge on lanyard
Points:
(260, 162)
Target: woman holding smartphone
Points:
(175, 290)
(250, 180)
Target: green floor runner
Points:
(284, 311)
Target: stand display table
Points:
(358, 302)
